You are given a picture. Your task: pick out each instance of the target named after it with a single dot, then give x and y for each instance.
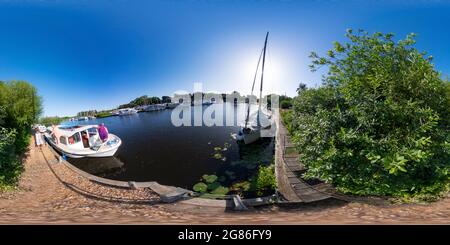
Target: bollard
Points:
(132, 185)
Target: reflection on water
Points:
(155, 150)
(103, 167)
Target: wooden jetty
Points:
(291, 185)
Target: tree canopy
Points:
(380, 123)
(20, 107)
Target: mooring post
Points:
(133, 185)
(238, 204)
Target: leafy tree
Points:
(52, 120)
(154, 100)
(166, 99)
(380, 123)
(20, 107)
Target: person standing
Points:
(103, 132)
(38, 138)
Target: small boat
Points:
(171, 105)
(155, 107)
(251, 132)
(83, 141)
(83, 118)
(126, 111)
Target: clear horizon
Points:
(97, 55)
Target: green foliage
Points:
(20, 106)
(10, 166)
(143, 100)
(213, 186)
(287, 116)
(210, 185)
(264, 180)
(220, 190)
(241, 186)
(103, 114)
(89, 113)
(209, 178)
(200, 187)
(47, 121)
(380, 123)
(285, 104)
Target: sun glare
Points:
(275, 72)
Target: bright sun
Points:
(274, 74)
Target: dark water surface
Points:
(154, 150)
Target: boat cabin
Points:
(79, 137)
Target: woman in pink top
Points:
(103, 132)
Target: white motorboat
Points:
(126, 111)
(40, 128)
(82, 141)
(251, 131)
(155, 107)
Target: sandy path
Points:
(51, 193)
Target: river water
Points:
(153, 149)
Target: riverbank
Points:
(52, 193)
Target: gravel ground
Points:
(52, 193)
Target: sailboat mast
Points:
(262, 77)
(253, 87)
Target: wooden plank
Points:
(294, 180)
(314, 197)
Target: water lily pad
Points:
(217, 148)
(220, 190)
(200, 187)
(213, 186)
(242, 186)
(218, 156)
(209, 178)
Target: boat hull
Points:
(100, 153)
(247, 137)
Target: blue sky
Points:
(85, 55)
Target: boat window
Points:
(74, 138)
(92, 131)
(63, 141)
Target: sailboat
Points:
(249, 132)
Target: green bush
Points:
(380, 123)
(10, 166)
(264, 180)
(285, 104)
(48, 121)
(20, 107)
